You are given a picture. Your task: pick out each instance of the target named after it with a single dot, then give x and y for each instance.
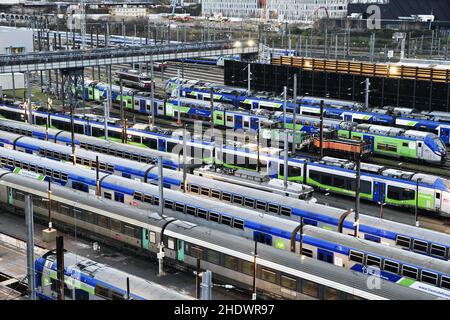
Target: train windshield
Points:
(439, 143)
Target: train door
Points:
(262, 237)
(145, 239)
(142, 106)
(255, 105)
(161, 145)
(237, 122)
(370, 139)
(437, 201)
(444, 134)
(419, 150)
(325, 255)
(347, 117)
(379, 191)
(254, 123)
(180, 250)
(119, 197)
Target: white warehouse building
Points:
(15, 40)
(281, 10)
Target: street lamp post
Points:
(417, 203)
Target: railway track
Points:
(12, 287)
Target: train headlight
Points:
(250, 43)
(237, 44)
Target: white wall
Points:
(15, 37)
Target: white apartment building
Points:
(280, 10)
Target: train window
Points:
(190, 210)
(247, 267)
(226, 196)
(204, 191)
(117, 296)
(231, 262)
(307, 252)
(330, 294)
(148, 199)
(268, 275)
(109, 168)
(155, 201)
(40, 170)
(213, 217)
(130, 231)
(397, 193)
(405, 144)
(391, 266)
(215, 194)
(420, 245)
(152, 237)
(64, 176)
(445, 282)
(179, 207)
(102, 291)
(292, 171)
(107, 195)
(229, 118)
(273, 208)
(285, 211)
(170, 243)
(137, 196)
(288, 282)
(197, 252)
(310, 288)
(437, 250)
(237, 199)
(88, 217)
(238, 223)
(168, 204)
(115, 225)
(356, 256)
(403, 241)
(226, 220)
(65, 210)
(103, 221)
(249, 203)
(261, 205)
(373, 261)
(429, 277)
(194, 188)
(213, 256)
(372, 238)
(201, 213)
(410, 272)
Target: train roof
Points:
(113, 277)
(284, 261)
(79, 138)
(409, 257)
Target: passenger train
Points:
(385, 141)
(279, 274)
(385, 232)
(85, 279)
(346, 111)
(378, 183)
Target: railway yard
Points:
(161, 177)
